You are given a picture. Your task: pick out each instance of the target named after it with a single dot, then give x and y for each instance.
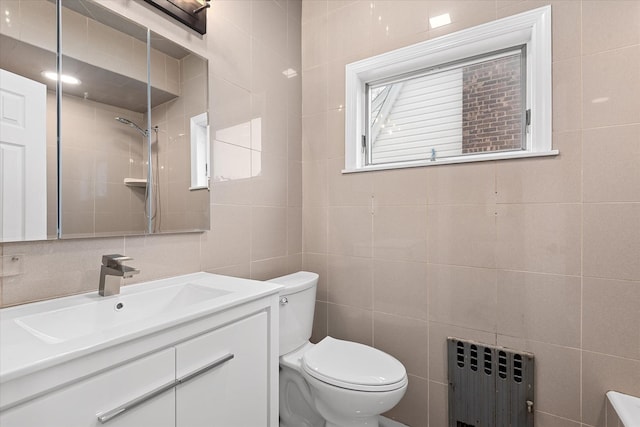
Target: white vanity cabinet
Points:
(217, 378)
(218, 368)
(233, 394)
(77, 405)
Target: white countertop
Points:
(22, 352)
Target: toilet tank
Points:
(297, 304)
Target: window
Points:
(478, 94)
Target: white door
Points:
(23, 158)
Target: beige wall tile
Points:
(294, 183)
(269, 268)
(350, 231)
(350, 323)
(400, 233)
(397, 20)
(353, 189)
(557, 376)
(539, 307)
(567, 93)
(43, 277)
(611, 241)
(269, 24)
(268, 232)
(403, 338)
(314, 137)
(611, 89)
(294, 230)
(314, 183)
(411, 410)
(462, 184)
(438, 404)
(335, 133)
(601, 373)
(164, 255)
(541, 238)
(463, 15)
(462, 235)
(314, 41)
(547, 420)
(314, 229)
(609, 25)
(319, 322)
(544, 179)
(234, 49)
(349, 31)
(240, 270)
(610, 164)
(236, 12)
(611, 317)
(401, 187)
(400, 288)
(314, 90)
(229, 241)
(312, 9)
(463, 296)
(350, 281)
(269, 188)
(317, 263)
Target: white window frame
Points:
(532, 28)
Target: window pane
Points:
(468, 108)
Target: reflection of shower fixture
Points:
(133, 125)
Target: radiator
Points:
(489, 386)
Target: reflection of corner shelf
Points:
(135, 182)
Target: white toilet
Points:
(333, 383)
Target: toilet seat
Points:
(353, 366)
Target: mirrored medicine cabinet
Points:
(104, 126)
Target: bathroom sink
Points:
(99, 315)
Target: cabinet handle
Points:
(224, 359)
(106, 416)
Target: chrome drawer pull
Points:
(210, 366)
(106, 416)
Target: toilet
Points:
(333, 383)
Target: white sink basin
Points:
(77, 321)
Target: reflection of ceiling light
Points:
(599, 100)
(440, 20)
(289, 73)
(52, 75)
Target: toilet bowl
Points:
(333, 383)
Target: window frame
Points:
(531, 28)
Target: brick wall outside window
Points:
(491, 106)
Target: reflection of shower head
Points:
(132, 124)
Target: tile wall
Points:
(256, 223)
(538, 254)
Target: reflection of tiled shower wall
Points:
(178, 207)
(98, 153)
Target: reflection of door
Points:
(23, 158)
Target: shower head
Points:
(132, 124)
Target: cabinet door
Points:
(235, 392)
(77, 405)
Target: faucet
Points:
(112, 272)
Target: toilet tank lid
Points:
(296, 282)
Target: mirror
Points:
(123, 170)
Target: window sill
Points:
(453, 160)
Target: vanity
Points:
(193, 350)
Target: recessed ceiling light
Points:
(440, 20)
(52, 75)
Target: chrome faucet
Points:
(112, 272)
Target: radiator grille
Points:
(489, 386)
